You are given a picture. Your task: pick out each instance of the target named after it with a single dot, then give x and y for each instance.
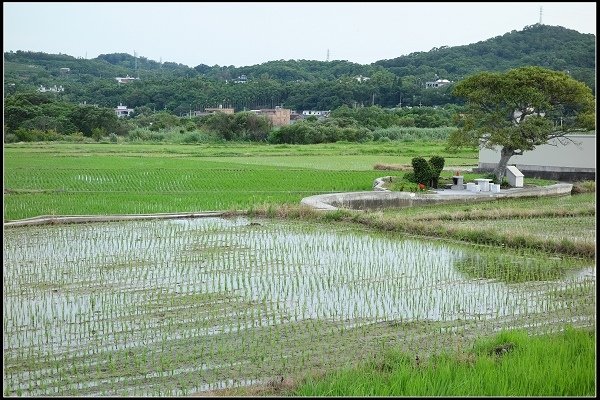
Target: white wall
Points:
(552, 156)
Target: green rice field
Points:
(93, 179)
(175, 307)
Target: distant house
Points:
(316, 113)
(437, 83)
(126, 79)
(54, 89)
(123, 111)
(241, 79)
(361, 78)
(570, 158)
(213, 110)
(65, 70)
(294, 117)
(278, 116)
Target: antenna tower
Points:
(327, 54)
(540, 15)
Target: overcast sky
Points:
(243, 34)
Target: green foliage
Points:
(553, 47)
(422, 170)
(516, 110)
(328, 131)
(510, 268)
(302, 84)
(376, 117)
(98, 133)
(412, 134)
(36, 135)
(436, 165)
(242, 126)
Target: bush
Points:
(36, 135)
(436, 164)
(194, 137)
(421, 170)
(10, 138)
(410, 176)
(98, 133)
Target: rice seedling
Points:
(177, 306)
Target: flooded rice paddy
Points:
(174, 307)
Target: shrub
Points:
(422, 170)
(10, 138)
(193, 137)
(436, 164)
(410, 176)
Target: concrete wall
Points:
(378, 200)
(558, 159)
(277, 116)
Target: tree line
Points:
(299, 84)
(33, 116)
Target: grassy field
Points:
(509, 364)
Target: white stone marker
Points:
(514, 176)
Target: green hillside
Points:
(298, 84)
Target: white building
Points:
(241, 79)
(127, 79)
(569, 158)
(315, 113)
(54, 89)
(123, 111)
(437, 83)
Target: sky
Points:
(244, 34)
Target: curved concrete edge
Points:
(379, 182)
(81, 219)
(381, 199)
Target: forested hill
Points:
(552, 47)
(298, 84)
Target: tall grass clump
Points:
(510, 364)
(410, 134)
(584, 187)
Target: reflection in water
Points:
(83, 290)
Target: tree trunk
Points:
(505, 155)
